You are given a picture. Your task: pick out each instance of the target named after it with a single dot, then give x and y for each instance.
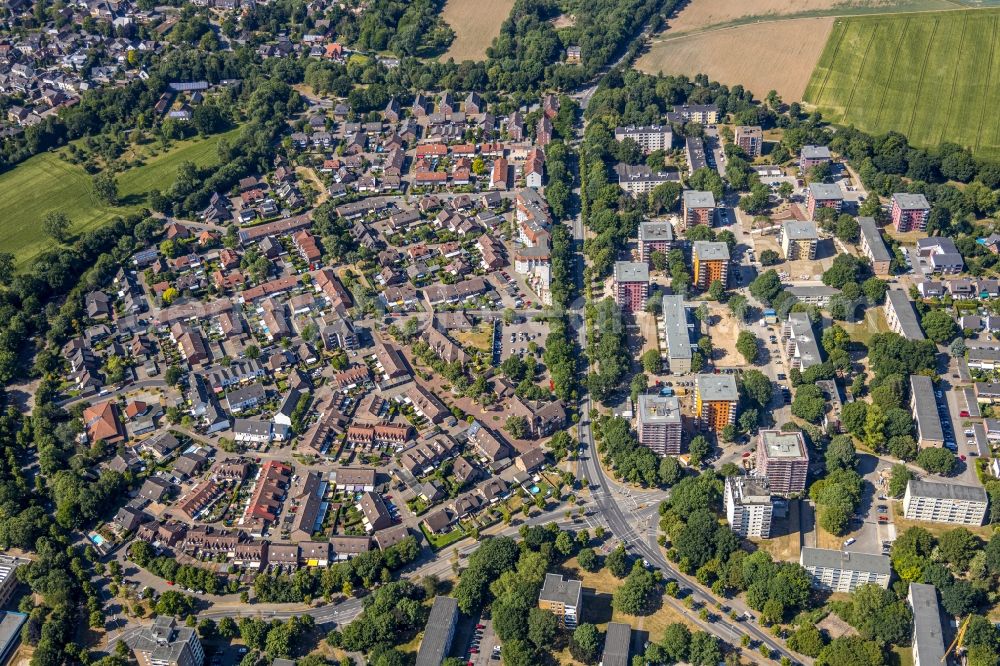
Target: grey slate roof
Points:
(928, 421)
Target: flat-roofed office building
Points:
(950, 503)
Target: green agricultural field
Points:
(48, 183)
(935, 77)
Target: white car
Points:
(850, 541)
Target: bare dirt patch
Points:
(475, 24)
(724, 330)
(771, 56)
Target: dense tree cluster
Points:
(609, 352)
(629, 460)
(710, 551)
(361, 571)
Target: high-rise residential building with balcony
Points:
(783, 458)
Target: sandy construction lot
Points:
(699, 14)
(476, 24)
(770, 56)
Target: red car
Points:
(964, 413)
(480, 626)
(962, 458)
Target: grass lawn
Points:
(901, 656)
(937, 529)
(935, 77)
(481, 339)
(45, 183)
(599, 588)
(439, 541)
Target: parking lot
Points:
(477, 643)
(516, 338)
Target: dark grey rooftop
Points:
(656, 231)
(925, 408)
(928, 635)
(439, 632)
(953, 491)
(845, 560)
(869, 229)
(559, 590)
(905, 313)
(616, 644)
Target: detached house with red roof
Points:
(102, 423)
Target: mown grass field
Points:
(934, 77)
(476, 24)
(47, 183)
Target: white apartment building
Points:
(844, 571)
(748, 506)
(950, 503)
(649, 138)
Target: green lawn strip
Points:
(46, 183)
(439, 541)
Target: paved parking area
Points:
(516, 338)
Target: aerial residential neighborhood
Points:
(433, 333)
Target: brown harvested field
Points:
(475, 23)
(771, 56)
(700, 14)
